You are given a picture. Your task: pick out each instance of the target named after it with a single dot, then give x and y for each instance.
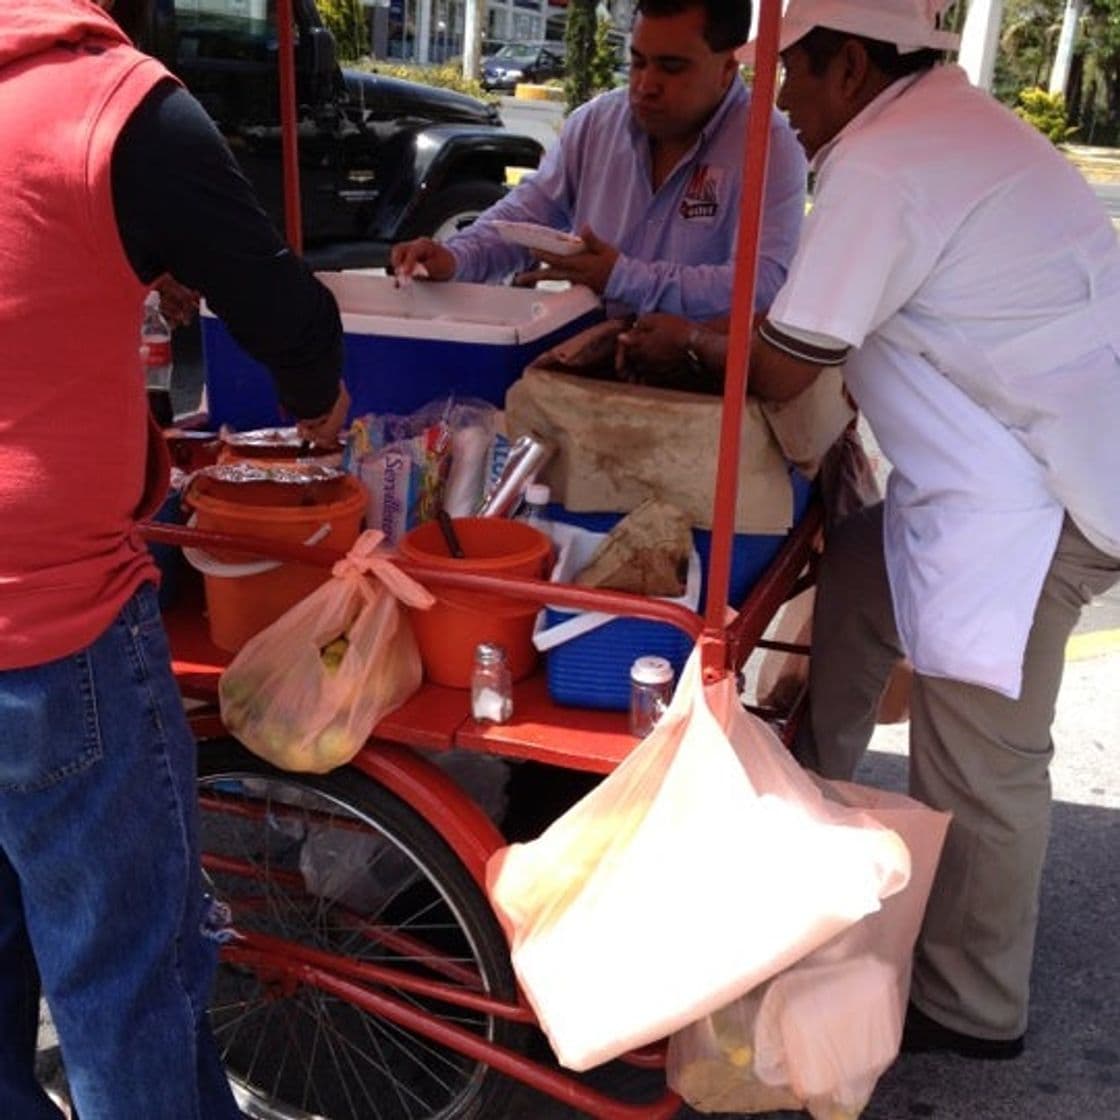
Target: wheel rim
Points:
(452, 225)
(305, 1054)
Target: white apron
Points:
(985, 468)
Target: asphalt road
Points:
(1109, 194)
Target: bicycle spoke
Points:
(303, 867)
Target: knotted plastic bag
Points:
(305, 693)
(820, 1034)
(705, 864)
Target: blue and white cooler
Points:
(406, 346)
(619, 444)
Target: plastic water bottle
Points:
(534, 509)
(155, 353)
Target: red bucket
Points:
(244, 595)
(450, 631)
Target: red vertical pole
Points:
(739, 344)
(293, 223)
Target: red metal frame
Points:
(289, 124)
(424, 786)
(544, 1079)
(755, 156)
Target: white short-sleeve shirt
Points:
(977, 279)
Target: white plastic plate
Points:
(545, 238)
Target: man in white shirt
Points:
(965, 275)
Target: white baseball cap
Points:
(910, 25)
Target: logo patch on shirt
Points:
(701, 192)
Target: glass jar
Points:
(491, 685)
(651, 689)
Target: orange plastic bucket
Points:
(449, 632)
(243, 594)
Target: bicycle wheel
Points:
(339, 864)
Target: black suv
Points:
(380, 159)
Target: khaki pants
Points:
(972, 751)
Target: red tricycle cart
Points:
(390, 994)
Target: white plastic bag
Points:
(820, 1034)
(705, 864)
(305, 692)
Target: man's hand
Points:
(323, 430)
(652, 348)
(421, 257)
(591, 267)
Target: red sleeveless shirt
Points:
(78, 462)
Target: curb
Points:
(527, 92)
(1082, 647)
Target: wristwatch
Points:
(692, 355)
(703, 379)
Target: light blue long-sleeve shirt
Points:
(676, 244)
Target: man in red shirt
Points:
(110, 172)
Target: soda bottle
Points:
(155, 354)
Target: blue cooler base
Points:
(384, 374)
(593, 670)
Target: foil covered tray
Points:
(291, 474)
(263, 438)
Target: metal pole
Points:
(473, 15)
(423, 32)
(1059, 73)
(293, 219)
(980, 41)
(742, 315)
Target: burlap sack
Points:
(619, 444)
(646, 552)
(809, 424)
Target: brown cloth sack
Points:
(646, 552)
(620, 443)
(809, 424)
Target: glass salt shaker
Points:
(491, 684)
(651, 689)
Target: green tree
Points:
(1097, 80)
(1045, 111)
(579, 41)
(346, 20)
(604, 58)
(1029, 35)
(1027, 46)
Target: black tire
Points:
(306, 1054)
(453, 208)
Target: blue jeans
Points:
(101, 893)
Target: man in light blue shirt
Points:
(650, 178)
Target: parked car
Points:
(381, 159)
(522, 62)
(490, 47)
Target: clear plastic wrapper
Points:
(412, 466)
